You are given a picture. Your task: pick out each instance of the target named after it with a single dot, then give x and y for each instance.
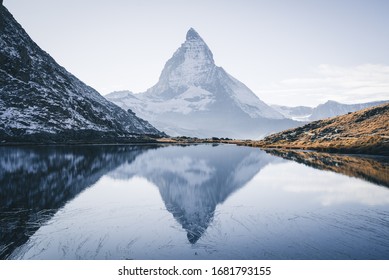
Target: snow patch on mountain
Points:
(249, 102)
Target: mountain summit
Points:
(194, 97)
(191, 65)
(192, 34)
(41, 102)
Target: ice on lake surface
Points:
(191, 202)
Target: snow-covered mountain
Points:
(333, 108)
(194, 97)
(298, 113)
(41, 101)
(322, 111)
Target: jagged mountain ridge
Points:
(326, 110)
(333, 109)
(194, 97)
(41, 101)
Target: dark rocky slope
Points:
(41, 102)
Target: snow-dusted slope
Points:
(194, 97)
(41, 101)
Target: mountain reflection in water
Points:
(36, 181)
(193, 180)
(372, 169)
(190, 202)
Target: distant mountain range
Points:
(194, 97)
(322, 111)
(363, 131)
(41, 102)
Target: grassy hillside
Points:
(364, 131)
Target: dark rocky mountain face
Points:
(194, 97)
(41, 101)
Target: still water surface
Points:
(193, 202)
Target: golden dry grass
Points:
(365, 131)
(369, 169)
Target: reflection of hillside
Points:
(36, 182)
(375, 170)
(193, 180)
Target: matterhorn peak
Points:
(195, 97)
(192, 64)
(192, 34)
(195, 46)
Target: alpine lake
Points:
(191, 202)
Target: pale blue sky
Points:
(288, 52)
